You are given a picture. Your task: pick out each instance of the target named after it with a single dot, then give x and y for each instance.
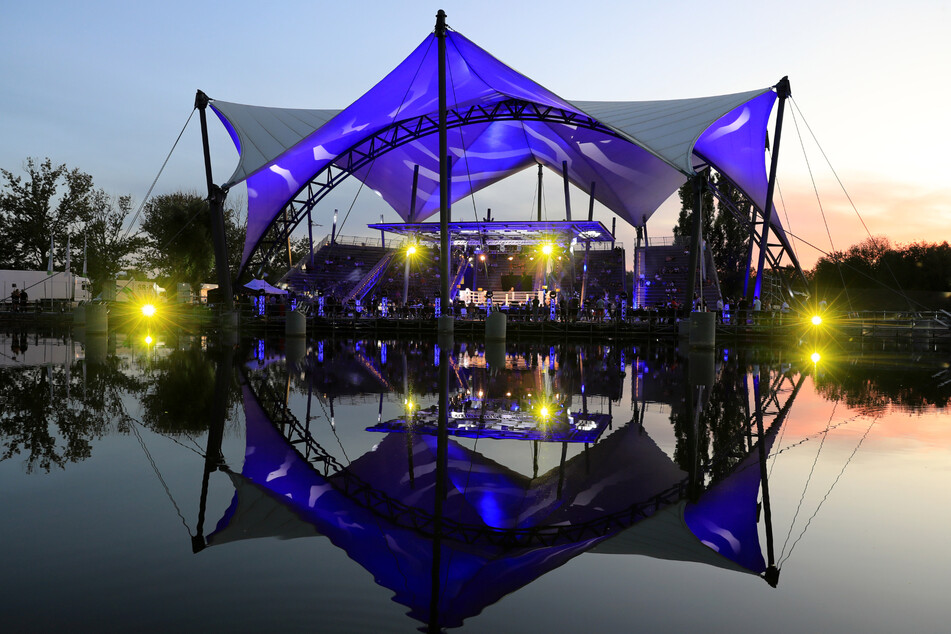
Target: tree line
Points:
(874, 263)
(55, 203)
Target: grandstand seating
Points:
(336, 269)
(662, 272)
(605, 272)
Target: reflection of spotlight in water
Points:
(815, 356)
(148, 340)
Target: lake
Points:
(336, 485)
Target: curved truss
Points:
(396, 135)
(775, 251)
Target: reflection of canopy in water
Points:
(719, 529)
(280, 494)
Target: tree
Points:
(729, 237)
(49, 201)
(177, 228)
(684, 227)
(108, 249)
(726, 235)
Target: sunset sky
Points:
(107, 86)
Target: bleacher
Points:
(424, 280)
(662, 276)
(605, 272)
(336, 268)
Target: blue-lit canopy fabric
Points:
(638, 155)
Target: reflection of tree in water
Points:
(51, 415)
(726, 419)
(873, 387)
(721, 426)
(180, 393)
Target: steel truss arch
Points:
(398, 134)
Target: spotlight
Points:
(816, 320)
(546, 248)
(815, 356)
(148, 310)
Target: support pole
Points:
(771, 574)
(783, 92)
(564, 174)
(333, 229)
(445, 307)
(698, 184)
(412, 200)
(591, 203)
(290, 255)
(539, 192)
(406, 278)
(216, 207)
(310, 236)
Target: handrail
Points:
(369, 279)
(454, 289)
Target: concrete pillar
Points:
(97, 319)
(295, 348)
(702, 330)
(495, 324)
(296, 324)
(701, 367)
(96, 348)
(445, 325)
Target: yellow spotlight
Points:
(409, 404)
(148, 340)
(543, 412)
(815, 356)
(148, 310)
(546, 249)
(482, 257)
(411, 250)
(816, 320)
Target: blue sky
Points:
(107, 86)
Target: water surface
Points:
(193, 485)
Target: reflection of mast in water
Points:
(213, 456)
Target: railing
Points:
(597, 246)
(361, 289)
(361, 241)
(454, 288)
(668, 241)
